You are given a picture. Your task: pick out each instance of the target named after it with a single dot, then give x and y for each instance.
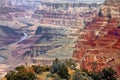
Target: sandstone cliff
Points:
(112, 2)
(111, 8)
(98, 46)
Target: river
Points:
(24, 37)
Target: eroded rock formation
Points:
(7, 13)
(8, 35)
(98, 46)
(65, 14)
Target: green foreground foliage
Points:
(12, 75)
(59, 71)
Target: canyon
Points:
(86, 33)
(97, 46)
(41, 39)
(8, 35)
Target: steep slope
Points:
(98, 46)
(112, 2)
(72, 15)
(111, 8)
(8, 35)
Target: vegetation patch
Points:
(59, 71)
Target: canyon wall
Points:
(97, 46)
(8, 35)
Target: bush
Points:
(11, 75)
(20, 68)
(21, 75)
(109, 73)
(39, 69)
(55, 66)
(105, 74)
(71, 64)
(80, 75)
(63, 72)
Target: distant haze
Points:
(83, 1)
(92, 1)
(38, 2)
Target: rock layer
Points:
(98, 45)
(8, 35)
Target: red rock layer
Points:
(98, 46)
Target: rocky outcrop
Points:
(111, 8)
(98, 45)
(112, 2)
(8, 35)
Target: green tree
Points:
(46, 68)
(20, 74)
(71, 63)
(79, 75)
(105, 74)
(109, 73)
(20, 68)
(37, 69)
(55, 66)
(25, 76)
(96, 75)
(63, 72)
(11, 75)
(76, 75)
(31, 76)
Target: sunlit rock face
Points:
(98, 45)
(65, 14)
(112, 2)
(112, 8)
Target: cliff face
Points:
(112, 8)
(98, 46)
(65, 14)
(8, 35)
(112, 2)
